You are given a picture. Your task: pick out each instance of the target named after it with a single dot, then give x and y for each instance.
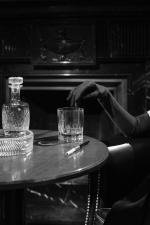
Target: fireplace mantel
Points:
(117, 84)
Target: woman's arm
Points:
(119, 116)
(131, 125)
(128, 124)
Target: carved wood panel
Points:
(128, 39)
(63, 44)
(15, 41)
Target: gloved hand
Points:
(87, 89)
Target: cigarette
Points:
(78, 147)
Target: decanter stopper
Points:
(15, 80)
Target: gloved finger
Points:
(72, 100)
(70, 95)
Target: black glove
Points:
(86, 90)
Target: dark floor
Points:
(57, 204)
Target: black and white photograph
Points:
(75, 112)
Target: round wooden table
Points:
(47, 164)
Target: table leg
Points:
(12, 207)
(93, 201)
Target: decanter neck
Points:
(15, 93)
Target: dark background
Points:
(56, 45)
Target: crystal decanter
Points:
(15, 114)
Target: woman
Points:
(134, 208)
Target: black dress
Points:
(134, 208)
